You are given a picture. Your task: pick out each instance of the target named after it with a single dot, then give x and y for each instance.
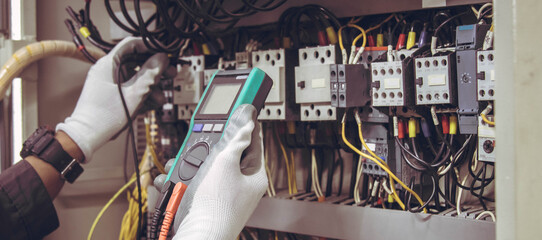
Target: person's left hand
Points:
(99, 113)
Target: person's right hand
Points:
(228, 186)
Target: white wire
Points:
(357, 197)
(458, 205)
(385, 186)
(482, 214)
(460, 191)
(315, 179)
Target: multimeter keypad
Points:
(197, 127)
(218, 127)
(204, 135)
(207, 127)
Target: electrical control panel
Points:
(312, 78)
(279, 65)
(485, 75)
(435, 80)
(392, 83)
(350, 85)
(486, 140)
(188, 85)
(427, 111)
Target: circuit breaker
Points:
(312, 79)
(350, 85)
(392, 83)
(376, 138)
(188, 86)
(380, 148)
(485, 75)
(279, 65)
(486, 141)
(435, 80)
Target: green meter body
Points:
(226, 91)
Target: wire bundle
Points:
(173, 23)
(295, 34)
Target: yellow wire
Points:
(362, 34)
(340, 35)
(486, 120)
(130, 219)
(271, 187)
(285, 155)
(292, 169)
(117, 194)
(381, 166)
(150, 146)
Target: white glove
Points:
(229, 185)
(99, 113)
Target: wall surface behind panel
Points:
(60, 83)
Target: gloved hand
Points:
(229, 184)
(99, 113)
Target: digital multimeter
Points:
(226, 91)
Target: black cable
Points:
(431, 146)
(120, 75)
(116, 20)
(125, 157)
(435, 33)
(331, 171)
(482, 171)
(340, 162)
(483, 14)
(250, 5)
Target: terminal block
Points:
(188, 86)
(279, 65)
(392, 83)
(312, 81)
(243, 60)
(435, 79)
(207, 76)
(486, 141)
(485, 75)
(404, 53)
(228, 65)
(367, 57)
(350, 85)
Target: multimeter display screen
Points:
(220, 98)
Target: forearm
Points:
(47, 173)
